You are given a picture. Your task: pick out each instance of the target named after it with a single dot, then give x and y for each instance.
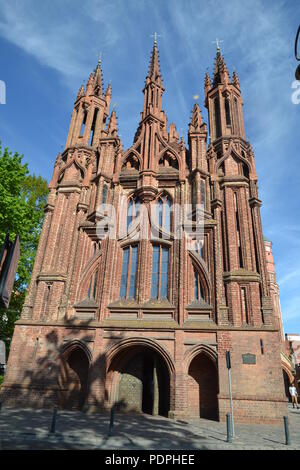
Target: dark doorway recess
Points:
(73, 379)
(203, 388)
(144, 383)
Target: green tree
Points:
(22, 199)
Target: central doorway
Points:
(144, 382)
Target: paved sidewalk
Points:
(29, 429)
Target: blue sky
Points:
(48, 48)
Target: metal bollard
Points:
(0, 405)
(111, 422)
(229, 436)
(286, 430)
(53, 424)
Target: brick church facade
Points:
(143, 321)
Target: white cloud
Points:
(58, 37)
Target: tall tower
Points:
(235, 204)
(137, 318)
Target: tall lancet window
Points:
(227, 112)
(245, 315)
(129, 272)
(217, 117)
(160, 272)
(164, 213)
(237, 117)
(198, 290)
(92, 133)
(133, 210)
(83, 123)
(238, 232)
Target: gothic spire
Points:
(98, 80)
(221, 74)
(153, 89)
(154, 73)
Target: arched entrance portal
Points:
(141, 381)
(203, 388)
(73, 379)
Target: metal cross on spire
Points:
(155, 36)
(217, 42)
(100, 58)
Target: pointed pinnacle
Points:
(80, 92)
(98, 81)
(112, 127)
(235, 80)
(207, 80)
(108, 90)
(154, 67)
(196, 119)
(220, 71)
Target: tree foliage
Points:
(22, 199)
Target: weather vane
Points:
(155, 36)
(217, 42)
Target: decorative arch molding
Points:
(70, 346)
(232, 151)
(164, 152)
(113, 351)
(130, 151)
(190, 354)
(73, 160)
(202, 269)
(164, 192)
(288, 371)
(88, 271)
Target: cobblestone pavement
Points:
(29, 429)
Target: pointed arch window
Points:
(238, 232)
(92, 133)
(83, 123)
(164, 213)
(132, 210)
(227, 112)
(245, 314)
(160, 272)
(237, 116)
(129, 272)
(217, 117)
(198, 290)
